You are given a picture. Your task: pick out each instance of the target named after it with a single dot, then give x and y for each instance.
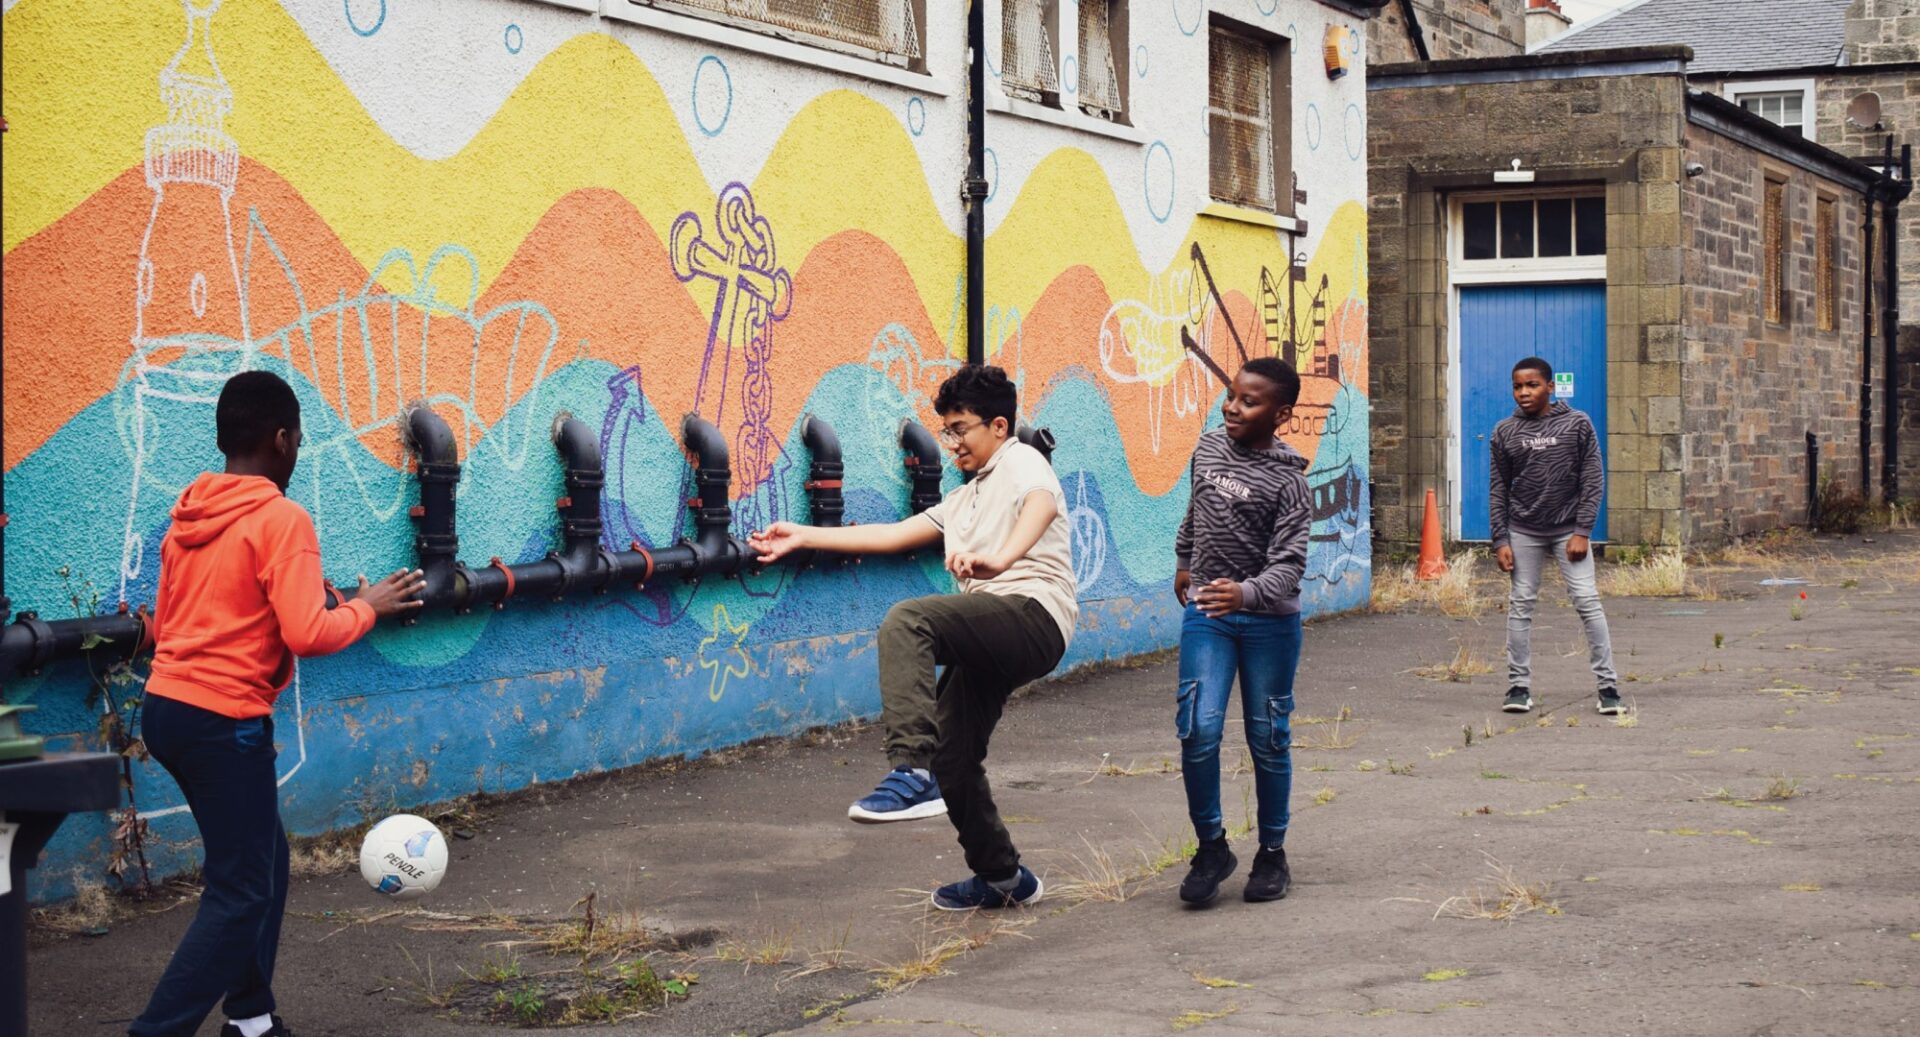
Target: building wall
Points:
(1453, 28)
(1621, 131)
(492, 206)
(1754, 388)
(1882, 32)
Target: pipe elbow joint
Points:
(923, 465)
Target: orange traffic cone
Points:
(1433, 564)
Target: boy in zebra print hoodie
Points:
(1548, 481)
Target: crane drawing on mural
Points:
(752, 292)
(201, 290)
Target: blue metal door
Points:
(1565, 325)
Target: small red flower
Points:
(1803, 595)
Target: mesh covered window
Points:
(1773, 288)
(1099, 85)
(888, 28)
(1824, 260)
(1240, 118)
(1027, 68)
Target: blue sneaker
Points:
(976, 893)
(901, 796)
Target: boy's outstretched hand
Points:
(396, 594)
(776, 541)
(972, 565)
(1504, 558)
(1220, 597)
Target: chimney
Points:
(1545, 21)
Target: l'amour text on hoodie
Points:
(1247, 521)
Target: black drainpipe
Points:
(1414, 30)
(1866, 340)
(1895, 193)
(975, 189)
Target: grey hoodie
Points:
(1247, 521)
(1548, 477)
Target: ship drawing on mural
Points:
(195, 311)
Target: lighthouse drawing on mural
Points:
(188, 302)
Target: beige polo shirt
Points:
(980, 515)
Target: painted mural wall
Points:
(508, 209)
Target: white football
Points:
(403, 857)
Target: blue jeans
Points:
(1263, 651)
(226, 768)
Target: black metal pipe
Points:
(1040, 439)
(581, 564)
(29, 643)
(1893, 193)
(715, 549)
(975, 188)
(1415, 31)
(923, 466)
(436, 545)
(1813, 480)
(1866, 340)
(825, 478)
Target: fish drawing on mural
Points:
(752, 292)
(1141, 344)
(195, 316)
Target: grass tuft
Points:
(1502, 896)
(1459, 594)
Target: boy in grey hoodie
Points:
(1242, 551)
(1548, 481)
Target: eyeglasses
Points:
(950, 435)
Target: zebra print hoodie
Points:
(1547, 474)
(1247, 521)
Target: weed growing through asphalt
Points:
(1719, 640)
(1095, 878)
(1466, 664)
(1456, 594)
(1324, 795)
(1332, 738)
(1783, 787)
(1663, 575)
(1216, 983)
(1501, 896)
(1189, 1019)
(1442, 975)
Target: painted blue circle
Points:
(716, 92)
(1267, 7)
(1356, 132)
(1206, 120)
(1199, 15)
(916, 115)
(514, 38)
(1353, 43)
(1313, 127)
(1293, 30)
(1140, 61)
(1070, 74)
(347, 6)
(1149, 174)
(992, 174)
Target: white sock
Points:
(255, 1026)
(923, 774)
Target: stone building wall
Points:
(1454, 29)
(1753, 388)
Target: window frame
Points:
(1738, 92)
(1575, 267)
(1776, 234)
(1280, 55)
(916, 9)
(1119, 51)
(1826, 261)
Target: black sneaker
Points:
(1609, 704)
(1270, 878)
(279, 1029)
(1519, 700)
(1212, 863)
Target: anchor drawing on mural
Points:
(753, 292)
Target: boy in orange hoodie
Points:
(240, 595)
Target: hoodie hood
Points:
(1554, 410)
(216, 501)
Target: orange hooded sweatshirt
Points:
(240, 596)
